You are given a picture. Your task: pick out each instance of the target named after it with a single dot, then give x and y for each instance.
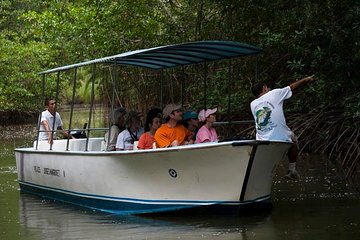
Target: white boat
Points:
(222, 176)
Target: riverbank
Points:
(16, 117)
(13, 117)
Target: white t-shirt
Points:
(125, 141)
(46, 115)
(269, 116)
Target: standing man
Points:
(172, 133)
(47, 122)
(270, 123)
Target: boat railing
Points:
(234, 122)
(85, 143)
(88, 143)
(80, 144)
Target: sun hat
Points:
(203, 114)
(190, 115)
(168, 109)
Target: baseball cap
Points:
(190, 115)
(203, 114)
(168, 109)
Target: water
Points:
(319, 206)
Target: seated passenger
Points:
(153, 122)
(190, 120)
(172, 132)
(207, 132)
(127, 137)
(118, 125)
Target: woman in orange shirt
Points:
(153, 122)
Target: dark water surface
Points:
(321, 205)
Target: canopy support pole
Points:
(56, 100)
(229, 84)
(161, 89)
(205, 85)
(72, 108)
(91, 105)
(42, 104)
(114, 77)
(182, 85)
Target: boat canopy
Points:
(170, 56)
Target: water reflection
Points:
(53, 220)
(306, 219)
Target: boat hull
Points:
(228, 175)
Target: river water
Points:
(321, 205)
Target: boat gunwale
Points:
(199, 146)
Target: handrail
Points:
(234, 122)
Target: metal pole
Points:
(42, 104)
(114, 77)
(91, 105)
(205, 86)
(56, 100)
(161, 89)
(182, 85)
(229, 83)
(72, 108)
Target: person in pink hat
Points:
(207, 132)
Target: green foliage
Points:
(84, 79)
(300, 37)
(20, 83)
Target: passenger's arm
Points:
(65, 133)
(301, 82)
(175, 143)
(48, 131)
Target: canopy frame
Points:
(170, 56)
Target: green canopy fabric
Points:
(173, 55)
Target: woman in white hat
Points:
(207, 132)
